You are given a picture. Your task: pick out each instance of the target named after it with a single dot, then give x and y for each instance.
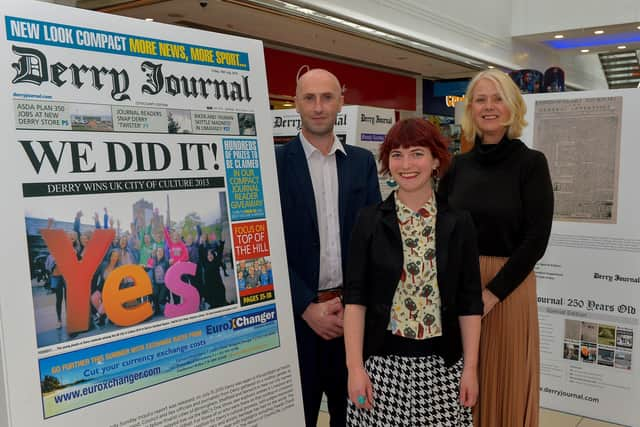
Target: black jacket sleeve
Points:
(469, 298)
(358, 261)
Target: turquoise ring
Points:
(361, 400)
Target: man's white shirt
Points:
(324, 178)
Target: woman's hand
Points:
(359, 387)
(469, 387)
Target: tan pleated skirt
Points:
(509, 356)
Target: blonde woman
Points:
(507, 189)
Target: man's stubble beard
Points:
(316, 131)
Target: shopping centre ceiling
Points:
(309, 33)
(617, 47)
(284, 25)
(591, 40)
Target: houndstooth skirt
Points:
(412, 392)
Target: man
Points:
(323, 184)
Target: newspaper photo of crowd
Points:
(153, 231)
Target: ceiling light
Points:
(491, 66)
(608, 40)
(598, 32)
(584, 50)
(148, 19)
(622, 47)
(306, 11)
(558, 36)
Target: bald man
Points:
(323, 185)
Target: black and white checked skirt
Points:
(412, 392)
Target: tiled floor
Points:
(548, 418)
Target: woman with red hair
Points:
(412, 295)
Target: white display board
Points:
(287, 124)
(589, 278)
(152, 146)
(357, 125)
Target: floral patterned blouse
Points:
(415, 312)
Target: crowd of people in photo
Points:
(254, 273)
(154, 247)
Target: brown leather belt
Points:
(329, 294)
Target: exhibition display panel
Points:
(139, 188)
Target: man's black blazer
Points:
(358, 187)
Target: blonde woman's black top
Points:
(507, 189)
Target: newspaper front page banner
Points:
(589, 278)
(145, 281)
